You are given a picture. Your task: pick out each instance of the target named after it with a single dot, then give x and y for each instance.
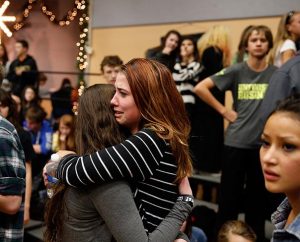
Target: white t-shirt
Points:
(287, 45)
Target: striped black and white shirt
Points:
(186, 77)
(143, 158)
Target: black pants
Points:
(242, 189)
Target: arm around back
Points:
(136, 158)
(115, 204)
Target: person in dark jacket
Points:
(168, 51)
(23, 70)
(61, 100)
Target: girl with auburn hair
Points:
(64, 139)
(155, 156)
(97, 213)
(288, 33)
(156, 97)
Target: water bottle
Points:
(51, 168)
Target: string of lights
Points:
(68, 18)
(82, 44)
(27, 9)
(79, 5)
(82, 57)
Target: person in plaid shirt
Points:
(12, 183)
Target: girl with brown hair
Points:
(155, 156)
(168, 51)
(97, 213)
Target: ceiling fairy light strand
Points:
(79, 5)
(68, 18)
(83, 51)
(27, 9)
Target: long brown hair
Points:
(95, 113)
(96, 128)
(161, 106)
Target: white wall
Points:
(136, 12)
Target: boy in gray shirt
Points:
(247, 82)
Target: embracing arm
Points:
(137, 157)
(115, 204)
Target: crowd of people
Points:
(126, 157)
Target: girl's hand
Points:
(63, 153)
(62, 138)
(167, 50)
(58, 156)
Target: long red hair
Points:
(161, 106)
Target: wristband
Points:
(186, 198)
(52, 179)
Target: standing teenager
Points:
(186, 75)
(156, 155)
(214, 52)
(241, 171)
